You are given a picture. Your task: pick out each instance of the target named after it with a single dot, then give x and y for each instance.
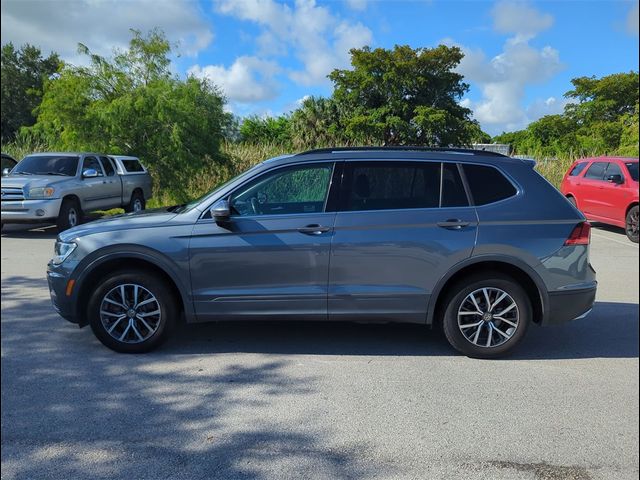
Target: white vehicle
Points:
(61, 187)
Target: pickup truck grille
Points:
(12, 193)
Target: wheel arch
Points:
(629, 207)
(107, 262)
(518, 270)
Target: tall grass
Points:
(235, 158)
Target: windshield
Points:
(47, 165)
(633, 170)
(199, 200)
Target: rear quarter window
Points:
(487, 184)
(577, 169)
(132, 165)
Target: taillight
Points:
(580, 235)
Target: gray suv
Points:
(476, 242)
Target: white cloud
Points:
(503, 79)
(359, 5)
(101, 24)
(318, 39)
(541, 107)
(248, 79)
(519, 18)
(632, 19)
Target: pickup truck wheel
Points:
(70, 215)
(132, 311)
(632, 224)
(486, 315)
(137, 203)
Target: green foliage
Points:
(23, 72)
(132, 104)
(403, 96)
(603, 120)
(317, 123)
(256, 129)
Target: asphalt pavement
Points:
(317, 401)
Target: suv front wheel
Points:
(132, 311)
(486, 315)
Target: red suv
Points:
(606, 190)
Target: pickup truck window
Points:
(47, 165)
(108, 166)
(132, 166)
(92, 162)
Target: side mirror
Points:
(616, 178)
(5, 172)
(221, 211)
(89, 173)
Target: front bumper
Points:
(570, 305)
(58, 291)
(30, 211)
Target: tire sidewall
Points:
(450, 318)
(634, 239)
(136, 196)
(63, 215)
(164, 297)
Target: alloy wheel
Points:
(488, 317)
(130, 313)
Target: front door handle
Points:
(453, 224)
(314, 229)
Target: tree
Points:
(317, 123)
(269, 130)
(23, 72)
(403, 96)
(132, 104)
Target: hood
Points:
(128, 221)
(30, 181)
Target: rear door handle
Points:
(453, 224)
(314, 229)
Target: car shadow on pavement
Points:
(30, 231)
(73, 409)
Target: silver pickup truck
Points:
(61, 187)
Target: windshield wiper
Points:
(55, 173)
(22, 173)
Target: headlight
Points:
(61, 251)
(40, 192)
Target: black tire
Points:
(137, 203)
(631, 222)
(572, 201)
(459, 294)
(70, 215)
(139, 339)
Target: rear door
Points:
(400, 226)
(592, 194)
(113, 185)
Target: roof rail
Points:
(463, 151)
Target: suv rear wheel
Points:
(132, 311)
(632, 224)
(486, 315)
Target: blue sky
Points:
(267, 55)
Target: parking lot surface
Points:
(317, 401)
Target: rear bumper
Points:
(570, 305)
(30, 211)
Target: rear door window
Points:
(487, 184)
(633, 170)
(108, 166)
(596, 171)
(453, 192)
(390, 186)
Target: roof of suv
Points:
(403, 153)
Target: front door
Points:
(95, 189)
(399, 228)
(272, 257)
(591, 198)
